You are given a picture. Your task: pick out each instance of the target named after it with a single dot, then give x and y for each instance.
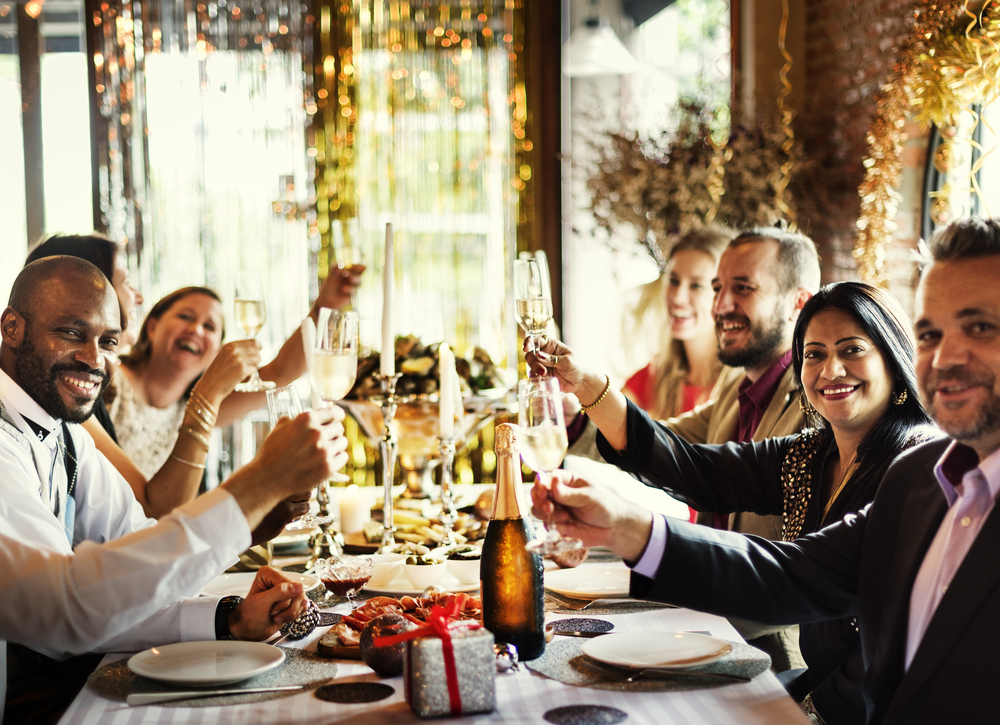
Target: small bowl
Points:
(387, 568)
(422, 576)
(465, 570)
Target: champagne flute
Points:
(543, 447)
(251, 315)
(285, 403)
(532, 297)
(334, 365)
(348, 257)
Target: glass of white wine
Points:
(348, 256)
(532, 297)
(285, 403)
(543, 447)
(251, 315)
(335, 356)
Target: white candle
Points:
(459, 403)
(338, 244)
(446, 391)
(354, 509)
(387, 361)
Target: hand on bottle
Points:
(339, 286)
(301, 453)
(594, 514)
(273, 601)
(234, 363)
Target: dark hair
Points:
(798, 260)
(138, 357)
(96, 248)
(966, 239)
(883, 320)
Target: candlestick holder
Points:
(448, 512)
(327, 541)
(387, 447)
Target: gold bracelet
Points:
(607, 387)
(202, 423)
(201, 400)
(204, 414)
(200, 466)
(197, 435)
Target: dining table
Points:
(522, 696)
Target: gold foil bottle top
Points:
(505, 440)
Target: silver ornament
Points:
(506, 657)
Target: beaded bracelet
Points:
(197, 435)
(607, 387)
(177, 458)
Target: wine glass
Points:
(348, 257)
(334, 365)
(345, 576)
(532, 297)
(284, 403)
(251, 315)
(543, 447)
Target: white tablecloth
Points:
(522, 698)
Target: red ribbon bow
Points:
(438, 625)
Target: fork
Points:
(625, 674)
(565, 602)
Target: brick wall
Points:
(849, 54)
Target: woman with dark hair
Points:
(177, 383)
(853, 355)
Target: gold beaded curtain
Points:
(200, 145)
(417, 112)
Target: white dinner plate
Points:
(590, 581)
(401, 587)
(670, 650)
(238, 583)
(206, 663)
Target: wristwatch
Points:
(222, 611)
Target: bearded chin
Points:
(42, 385)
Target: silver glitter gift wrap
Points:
(425, 681)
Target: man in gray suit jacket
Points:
(918, 567)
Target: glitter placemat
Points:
(354, 693)
(561, 661)
(116, 681)
(586, 715)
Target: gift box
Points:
(449, 667)
(429, 688)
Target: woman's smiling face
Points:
(189, 333)
(844, 374)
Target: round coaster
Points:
(586, 715)
(352, 693)
(328, 619)
(582, 624)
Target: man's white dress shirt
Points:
(171, 564)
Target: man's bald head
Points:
(40, 281)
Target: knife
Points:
(151, 698)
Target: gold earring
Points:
(900, 397)
(805, 406)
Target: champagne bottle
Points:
(512, 583)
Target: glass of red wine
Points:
(345, 576)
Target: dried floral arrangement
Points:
(700, 172)
(949, 59)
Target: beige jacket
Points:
(714, 422)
